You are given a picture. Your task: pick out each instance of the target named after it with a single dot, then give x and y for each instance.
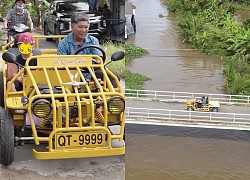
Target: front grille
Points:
(93, 26)
(66, 26)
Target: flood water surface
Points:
(171, 65)
(177, 153)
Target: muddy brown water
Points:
(171, 64)
(178, 153)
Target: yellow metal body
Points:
(211, 105)
(87, 133)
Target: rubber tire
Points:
(7, 137)
(46, 32)
(1, 90)
(215, 110)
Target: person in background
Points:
(203, 101)
(18, 15)
(107, 14)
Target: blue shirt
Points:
(67, 46)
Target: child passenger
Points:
(26, 44)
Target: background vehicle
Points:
(17, 29)
(60, 110)
(57, 18)
(211, 105)
(14, 30)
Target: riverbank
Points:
(134, 80)
(212, 27)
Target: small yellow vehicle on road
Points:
(59, 110)
(195, 105)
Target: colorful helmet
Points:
(25, 42)
(20, 0)
(26, 38)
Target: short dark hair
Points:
(76, 17)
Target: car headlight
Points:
(41, 108)
(104, 23)
(61, 26)
(116, 105)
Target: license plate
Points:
(80, 139)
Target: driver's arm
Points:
(30, 23)
(95, 51)
(5, 23)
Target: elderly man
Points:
(79, 37)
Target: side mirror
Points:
(119, 55)
(1, 19)
(9, 57)
(54, 13)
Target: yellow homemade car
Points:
(195, 105)
(60, 110)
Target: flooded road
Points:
(171, 64)
(178, 153)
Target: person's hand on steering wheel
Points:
(95, 61)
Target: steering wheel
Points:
(92, 46)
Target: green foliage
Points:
(134, 80)
(33, 9)
(133, 52)
(239, 43)
(210, 26)
(119, 66)
(6, 5)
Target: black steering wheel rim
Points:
(92, 46)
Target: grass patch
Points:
(118, 66)
(133, 52)
(134, 80)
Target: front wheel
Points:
(7, 137)
(1, 90)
